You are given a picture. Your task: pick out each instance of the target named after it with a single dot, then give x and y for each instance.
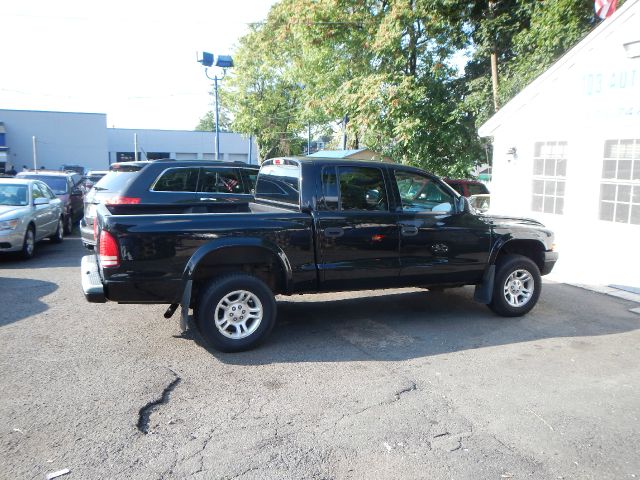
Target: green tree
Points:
(389, 65)
(208, 122)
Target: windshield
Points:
(477, 189)
(115, 181)
(57, 184)
(15, 195)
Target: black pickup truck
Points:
(316, 225)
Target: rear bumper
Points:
(86, 232)
(550, 259)
(91, 282)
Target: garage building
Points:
(74, 138)
(567, 152)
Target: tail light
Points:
(109, 253)
(123, 201)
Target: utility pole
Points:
(345, 120)
(250, 149)
(223, 62)
(215, 83)
(35, 155)
(309, 138)
(135, 147)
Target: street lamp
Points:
(221, 61)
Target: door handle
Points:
(409, 230)
(209, 199)
(333, 232)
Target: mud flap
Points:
(184, 304)
(484, 290)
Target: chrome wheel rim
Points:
(238, 314)
(518, 288)
(29, 242)
(60, 229)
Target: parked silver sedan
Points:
(29, 212)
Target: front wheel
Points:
(516, 287)
(29, 243)
(58, 237)
(236, 312)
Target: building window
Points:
(549, 177)
(620, 186)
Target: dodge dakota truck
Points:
(315, 225)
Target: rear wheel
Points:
(68, 223)
(58, 237)
(516, 287)
(29, 243)
(236, 312)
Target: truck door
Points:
(437, 243)
(358, 235)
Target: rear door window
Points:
(176, 180)
(115, 181)
(221, 180)
(362, 188)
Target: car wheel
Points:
(29, 243)
(68, 223)
(516, 287)
(58, 237)
(236, 312)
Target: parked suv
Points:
(170, 186)
(66, 186)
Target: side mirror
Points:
(41, 201)
(462, 204)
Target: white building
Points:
(83, 139)
(567, 152)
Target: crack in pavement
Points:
(413, 386)
(408, 389)
(144, 414)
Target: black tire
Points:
(68, 224)
(29, 243)
(506, 266)
(58, 237)
(210, 308)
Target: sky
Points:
(133, 60)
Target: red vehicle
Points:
(467, 188)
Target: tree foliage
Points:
(208, 122)
(390, 65)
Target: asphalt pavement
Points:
(359, 385)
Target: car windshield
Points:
(477, 189)
(14, 195)
(57, 184)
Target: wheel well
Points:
(33, 226)
(255, 261)
(528, 248)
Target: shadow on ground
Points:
(399, 326)
(48, 255)
(10, 310)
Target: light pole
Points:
(221, 61)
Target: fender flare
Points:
(217, 246)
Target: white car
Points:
(29, 212)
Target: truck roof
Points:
(355, 163)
